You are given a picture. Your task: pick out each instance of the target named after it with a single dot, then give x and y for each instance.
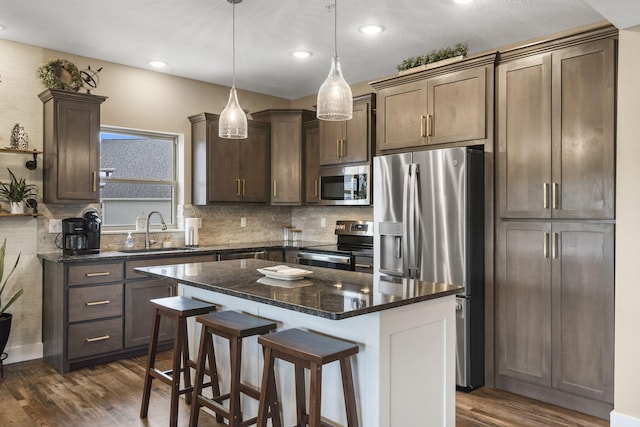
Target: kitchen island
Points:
(405, 370)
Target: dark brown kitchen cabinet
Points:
(139, 312)
(556, 131)
(93, 312)
(229, 170)
(555, 312)
(444, 105)
(311, 161)
(349, 141)
(287, 154)
(71, 136)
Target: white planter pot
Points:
(17, 207)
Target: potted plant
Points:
(5, 318)
(16, 192)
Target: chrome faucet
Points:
(164, 227)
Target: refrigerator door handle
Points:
(405, 220)
(398, 247)
(411, 228)
(416, 247)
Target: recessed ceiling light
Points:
(301, 54)
(371, 29)
(158, 64)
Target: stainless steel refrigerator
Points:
(428, 211)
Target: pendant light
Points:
(335, 101)
(233, 121)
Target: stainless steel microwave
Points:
(345, 185)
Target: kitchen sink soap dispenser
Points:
(128, 242)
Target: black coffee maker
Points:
(81, 236)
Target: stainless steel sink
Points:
(152, 250)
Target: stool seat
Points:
(182, 306)
(177, 309)
(233, 326)
(307, 350)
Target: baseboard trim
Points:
(621, 420)
(22, 353)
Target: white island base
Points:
(404, 373)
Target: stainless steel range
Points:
(353, 250)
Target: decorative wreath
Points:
(60, 74)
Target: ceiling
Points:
(194, 36)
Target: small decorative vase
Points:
(23, 139)
(17, 207)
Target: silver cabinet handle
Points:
(554, 195)
(238, 191)
(101, 338)
(364, 265)
(423, 126)
(94, 181)
(554, 246)
(275, 188)
(92, 303)
(315, 188)
(429, 125)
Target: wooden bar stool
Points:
(233, 326)
(178, 309)
(307, 350)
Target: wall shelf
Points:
(5, 214)
(31, 164)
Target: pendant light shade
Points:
(335, 100)
(233, 121)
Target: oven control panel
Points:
(354, 228)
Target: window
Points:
(137, 174)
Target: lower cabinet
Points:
(95, 312)
(138, 312)
(555, 312)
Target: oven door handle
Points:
(336, 259)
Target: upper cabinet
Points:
(311, 135)
(556, 131)
(229, 170)
(71, 146)
(349, 141)
(449, 104)
(287, 186)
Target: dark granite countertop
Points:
(158, 252)
(328, 293)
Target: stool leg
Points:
(151, 362)
(349, 394)
(266, 398)
(235, 350)
(315, 395)
(213, 371)
(186, 362)
(301, 400)
(175, 373)
(197, 388)
(276, 420)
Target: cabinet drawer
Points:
(88, 274)
(364, 264)
(88, 339)
(95, 302)
(130, 265)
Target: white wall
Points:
(627, 340)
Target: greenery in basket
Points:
(459, 49)
(5, 306)
(60, 74)
(17, 190)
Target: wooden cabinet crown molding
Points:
(470, 62)
(70, 96)
(557, 41)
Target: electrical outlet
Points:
(243, 222)
(323, 222)
(55, 226)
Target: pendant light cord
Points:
(233, 44)
(335, 28)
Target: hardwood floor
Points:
(34, 394)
